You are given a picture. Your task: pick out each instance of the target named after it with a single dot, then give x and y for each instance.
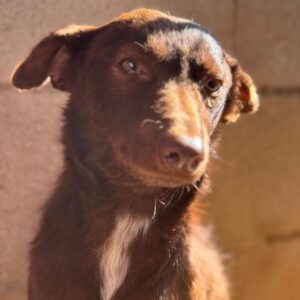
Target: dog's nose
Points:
(184, 152)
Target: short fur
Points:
(123, 224)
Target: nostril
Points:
(194, 163)
(184, 154)
(172, 159)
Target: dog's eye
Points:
(129, 66)
(213, 85)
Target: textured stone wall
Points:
(255, 204)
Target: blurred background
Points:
(255, 204)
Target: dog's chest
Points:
(114, 255)
(201, 266)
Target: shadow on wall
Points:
(255, 202)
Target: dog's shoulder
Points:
(206, 263)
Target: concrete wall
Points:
(255, 204)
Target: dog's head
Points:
(148, 87)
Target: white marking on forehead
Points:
(187, 41)
(114, 261)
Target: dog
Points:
(147, 92)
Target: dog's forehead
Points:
(193, 43)
(168, 36)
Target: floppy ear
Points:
(52, 57)
(242, 97)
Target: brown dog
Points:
(147, 92)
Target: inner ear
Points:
(33, 71)
(58, 69)
(248, 94)
(242, 97)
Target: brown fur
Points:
(122, 224)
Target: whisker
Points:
(214, 153)
(161, 202)
(182, 190)
(172, 196)
(154, 210)
(148, 121)
(140, 45)
(156, 122)
(195, 186)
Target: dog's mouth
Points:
(158, 179)
(149, 175)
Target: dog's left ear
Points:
(242, 97)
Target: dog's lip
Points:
(153, 178)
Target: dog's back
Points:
(147, 92)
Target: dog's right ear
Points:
(52, 57)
